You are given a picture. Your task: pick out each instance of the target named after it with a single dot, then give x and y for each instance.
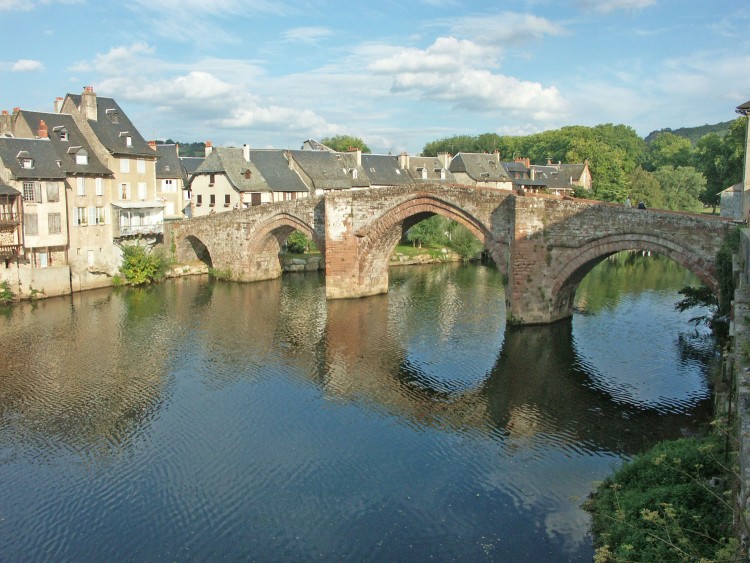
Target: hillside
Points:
(693, 133)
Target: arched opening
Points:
(436, 239)
(285, 244)
(382, 237)
(573, 272)
(192, 249)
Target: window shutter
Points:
(38, 189)
(92, 215)
(107, 215)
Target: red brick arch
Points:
(383, 234)
(583, 260)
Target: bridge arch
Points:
(382, 235)
(191, 249)
(570, 275)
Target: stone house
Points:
(426, 169)
(136, 211)
(562, 179)
(237, 178)
(88, 185)
(40, 264)
(171, 180)
(478, 169)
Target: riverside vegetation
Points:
(674, 501)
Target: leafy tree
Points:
(298, 243)
(343, 143)
(681, 187)
(668, 149)
(464, 243)
(721, 160)
(644, 186)
(429, 232)
(452, 145)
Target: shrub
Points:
(6, 294)
(298, 243)
(670, 503)
(141, 266)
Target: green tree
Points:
(343, 143)
(429, 232)
(681, 187)
(668, 149)
(464, 243)
(721, 160)
(644, 186)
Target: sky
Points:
(396, 73)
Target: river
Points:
(205, 420)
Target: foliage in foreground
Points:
(6, 294)
(140, 265)
(671, 503)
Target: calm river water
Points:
(203, 420)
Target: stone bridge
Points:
(545, 245)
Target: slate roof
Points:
(66, 150)
(191, 163)
(325, 171)
(744, 109)
(433, 166)
(273, 166)
(481, 167)
(558, 175)
(112, 126)
(169, 164)
(5, 189)
(230, 161)
(349, 161)
(41, 151)
(384, 170)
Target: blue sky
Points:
(398, 74)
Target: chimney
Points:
(177, 149)
(6, 123)
(88, 103)
(246, 152)
(403, 161)
(445, 159)
(290, 162)
(525, 161)
(152, 144)
(42, 132)
(58, 104)
(357, 155)
(16, 111)
(209, 147)
(497, 156)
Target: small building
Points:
(479, 169)
(171, 179)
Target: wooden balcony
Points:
(9, 221)
(9, 250)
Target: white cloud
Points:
(606, 6)
(26, 5)
(26, 65)
(309, 35)
(506, 28)
(444, 55)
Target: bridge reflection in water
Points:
(409, 422)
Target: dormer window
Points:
(422, 173)
(248, 174)
(442, 174)
(128, 138)
(113, 115)
(355, 173)
(27, 163)
(82, 157)
(62, 132)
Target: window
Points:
(124, 165)
(227, 200)
(80, 185)
(99, 186)
(211, 179)
(168, 185)
(79, 217)
(142, 191)
(53, 191)
(82, 157)
(124, 190)
(30, 224)
(54, 226)
(113, 115)
(422, 172)
(442, 173)
(29, 193)
(141, 166)
(212, 201)
(198, 200)
(43, 257)
(355, 173)
(99, 215)
(255, 199)
(128, 141)
(27, 163)
(63, 134)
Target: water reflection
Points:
(200, 419)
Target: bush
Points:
(141, 266)
(6, 294)
(464, 243)
(670, 503)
